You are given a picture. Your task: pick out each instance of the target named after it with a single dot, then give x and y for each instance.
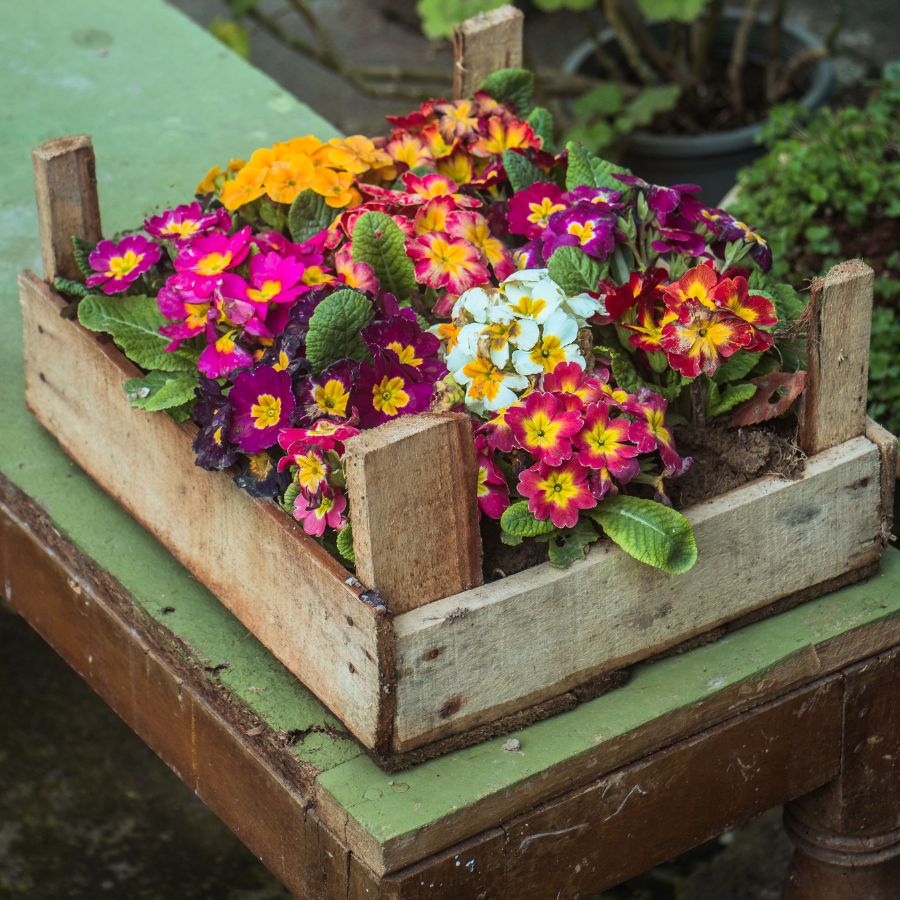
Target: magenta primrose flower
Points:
(530, 209)
(185, 222)
(117, 265)
(402, 338)
(492, 490)
(262, 402)
(222, 355)
(385, 390)
(206, 258)
(586, 225)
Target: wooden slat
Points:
(676, 799)
(470, 658)
(411, 485)
(834, 405)
(65, 184)
(887, 444)
(282, 585)
(483, 44)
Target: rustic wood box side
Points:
(282, 585)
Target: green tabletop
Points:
(163, 102)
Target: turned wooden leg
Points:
(846, 834)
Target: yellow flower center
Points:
(182, 229)
(530, 306)
(266, 412)
(120, 266)
(310, 472)
(196, 314)
(486, 379)
(331, 397)
(406, 353)
(448, 257)
(558, 488)
(268, 290)
(548, 352)
(540, 431)
(225, 344)
(583, 231)
(541, 212)
(213, 263)
(388, 397)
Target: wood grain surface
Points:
(483, 44)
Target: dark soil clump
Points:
(726, 458)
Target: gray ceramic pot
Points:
(711, 160)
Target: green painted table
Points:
(797, 706)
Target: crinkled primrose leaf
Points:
(134, 323)
(379, 242)
(308, 216)
(541, 121)
(586, 169)
(345, 543)
(574, 271)
(519, 521)
(334, 329)
(723, 401)
(568, 545)
(650, 532)
(521, 171)
(160, 390)
(515, 87)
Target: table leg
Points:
(846, 834)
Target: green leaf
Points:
(603, 100)
(541, 121)
(440, 17)
(345, 543)
(678, 10)
(574, 271)
(567, 545)
(519, 521)
(134, 323)
(181, 413)
(161, 390)
(521, 171)
(513, 87)
(82, 250)
(511, 540)
(379, 242)
(70, 288)
(603, 171)
(290, 495)
(334, 329)
(725, 401)
(309, 214)
(578, 171)
(273, 215)
(650, 532)
(650, 101)
(739, 365)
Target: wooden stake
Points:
(65, 185)
(834, 408)
(483, 44)
(413, 508)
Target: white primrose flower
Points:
(583, 306)
(532, 294)
(487, 386)
(556, 345)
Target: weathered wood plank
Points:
(887, 444)
(65, 185)
(284, 587)
(473, 657)
(483, 44)
(413, 508)
(834, 402)
(622, 824)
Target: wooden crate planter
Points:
(415, 655)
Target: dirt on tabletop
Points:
(724, 459)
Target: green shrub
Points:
(829, 189)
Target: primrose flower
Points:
(497, 432)
(385, 390)
(532, 294)
(697, 284)
(587, 226)
(557, 493)
(569, 380)
(700, 338)
(413, 348)
(473, 228)
(732, 294)
(544, 427)
(273, 279)
(185, 222)
(530, 209)
(603, 443)
(488, 387)
(446, 263)
(263, 401)
(492, 490)
(190, 312)
(328, 393)
(650, 430)
(222, 355)
(207, 257)
(555, 345)
(325, 434)
(118, 265)
(505, 133)
(320, 511)
(212, 411)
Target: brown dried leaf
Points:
(774, 395)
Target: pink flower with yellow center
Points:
(446, 263)
(222, 355)
(262, 401)
(732, 294)
(118, 265)
(530, 209)
(457, 166)
(206, 258)
(429, 187)
(603, 443)
(497, 432)
(701, 338)
(650, 431)
(570, 380)
(325, 434)
(473, 228)
(359, 275)
(185, 222)
(312, 470)
(557, 493)
(433, 215)
(385, 390)
(544, 427)
(491, 488)
(317, 512)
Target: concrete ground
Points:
(86, 810)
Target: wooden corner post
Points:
(834, 408)
(413, 508)
(65, 186)
(483, 44)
